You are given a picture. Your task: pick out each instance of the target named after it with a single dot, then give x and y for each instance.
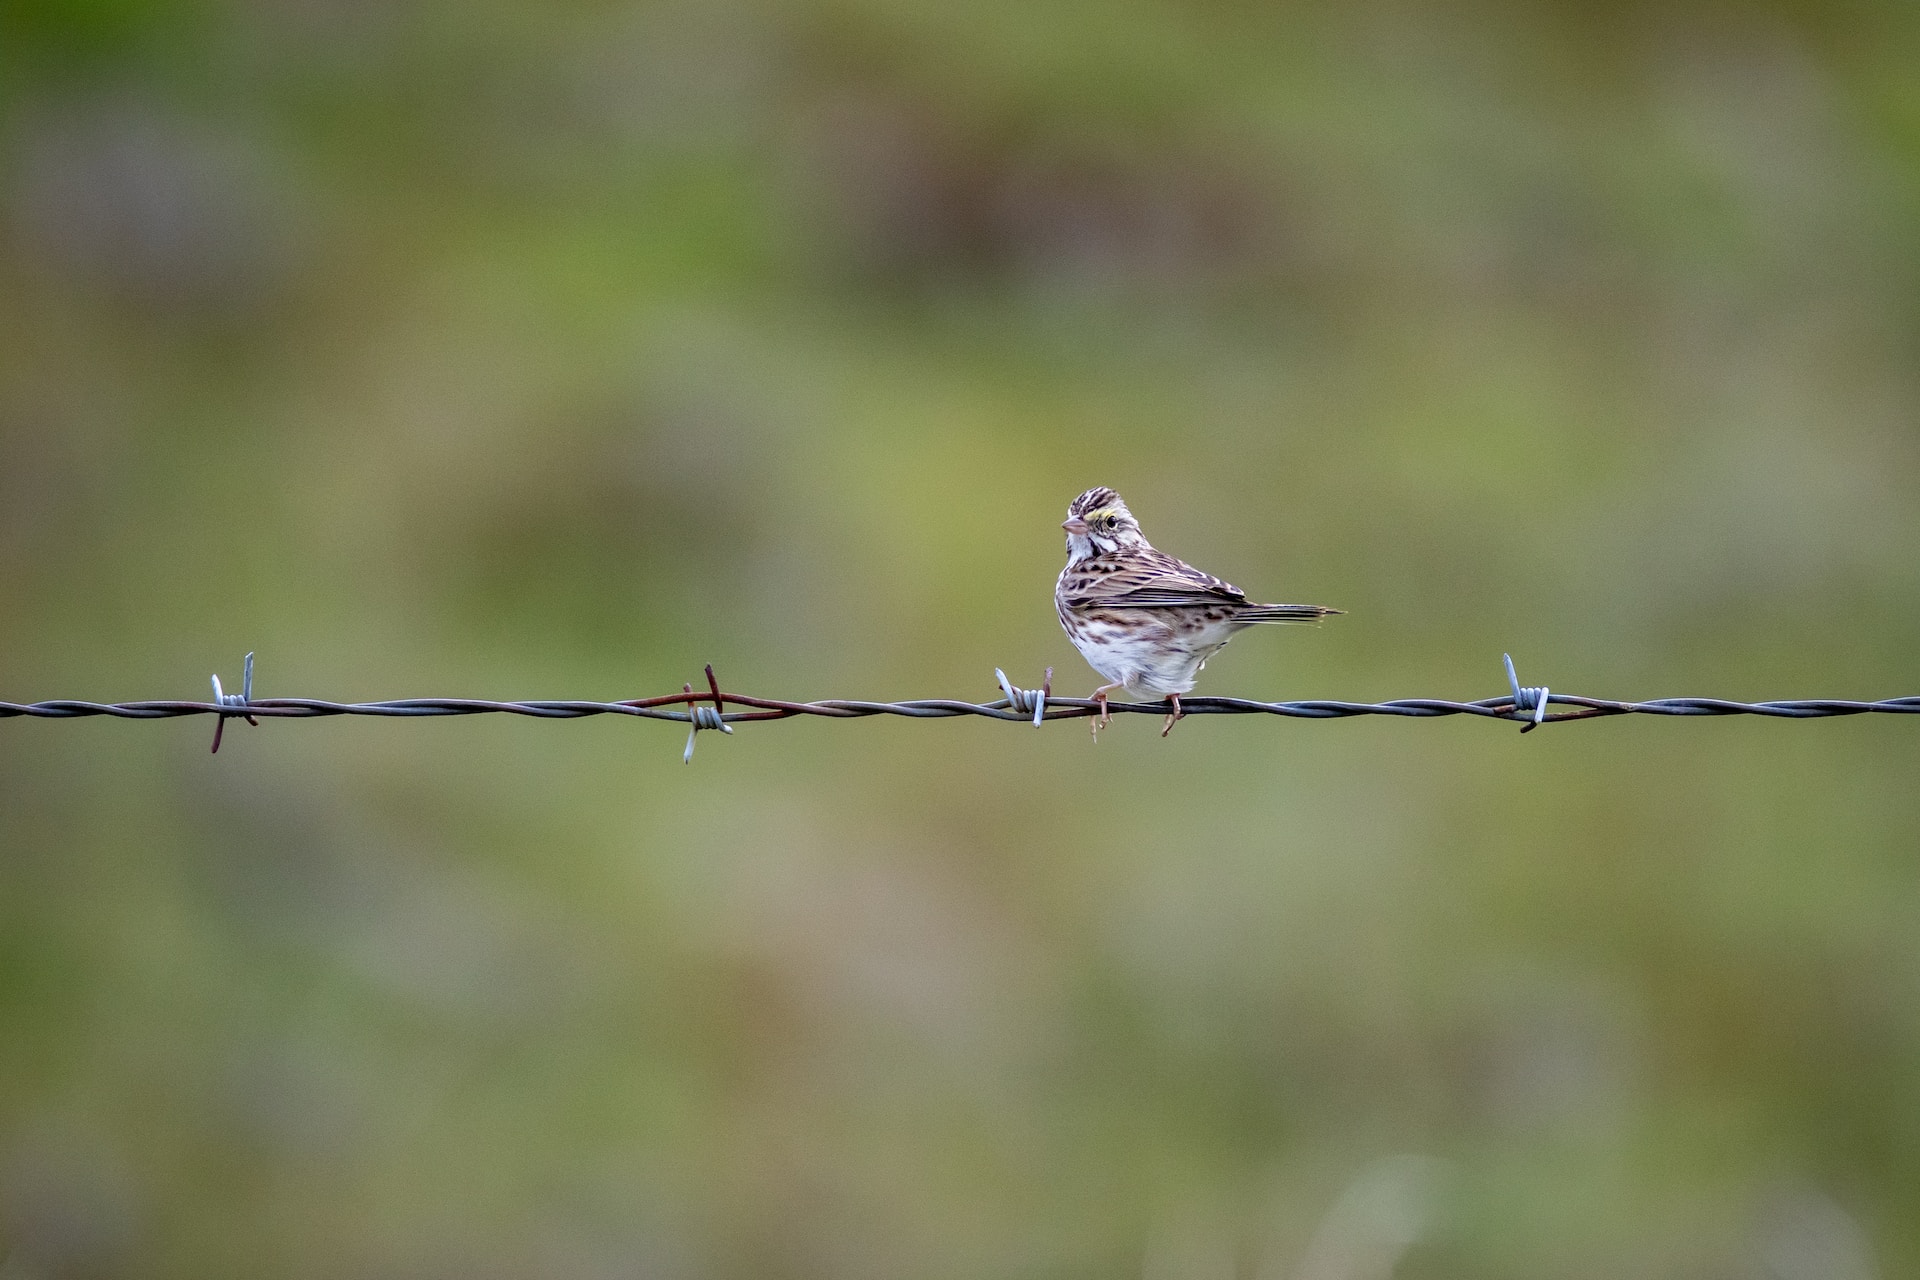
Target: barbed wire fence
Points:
(1524, 704)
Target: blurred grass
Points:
(551, 351)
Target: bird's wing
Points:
(1152, 580)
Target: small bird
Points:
(1142, 619)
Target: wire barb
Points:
(699, 717)
(241, 700)
(1025, 700)
(1527, 698)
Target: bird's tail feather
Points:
(1285, 613)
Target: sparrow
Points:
(1146, 621)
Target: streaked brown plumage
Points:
(1147, 622)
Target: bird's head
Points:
(1098, 522)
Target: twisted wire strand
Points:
(1504, 707)
(1524, 703)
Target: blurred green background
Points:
(516, 350)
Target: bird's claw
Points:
(1174, 716)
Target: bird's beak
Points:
(1075, 526)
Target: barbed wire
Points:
(1524, 704)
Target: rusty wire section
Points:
(1524, 704)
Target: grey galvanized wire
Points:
(1525, 704)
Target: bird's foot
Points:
(1105, 716)
(1174, 716)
